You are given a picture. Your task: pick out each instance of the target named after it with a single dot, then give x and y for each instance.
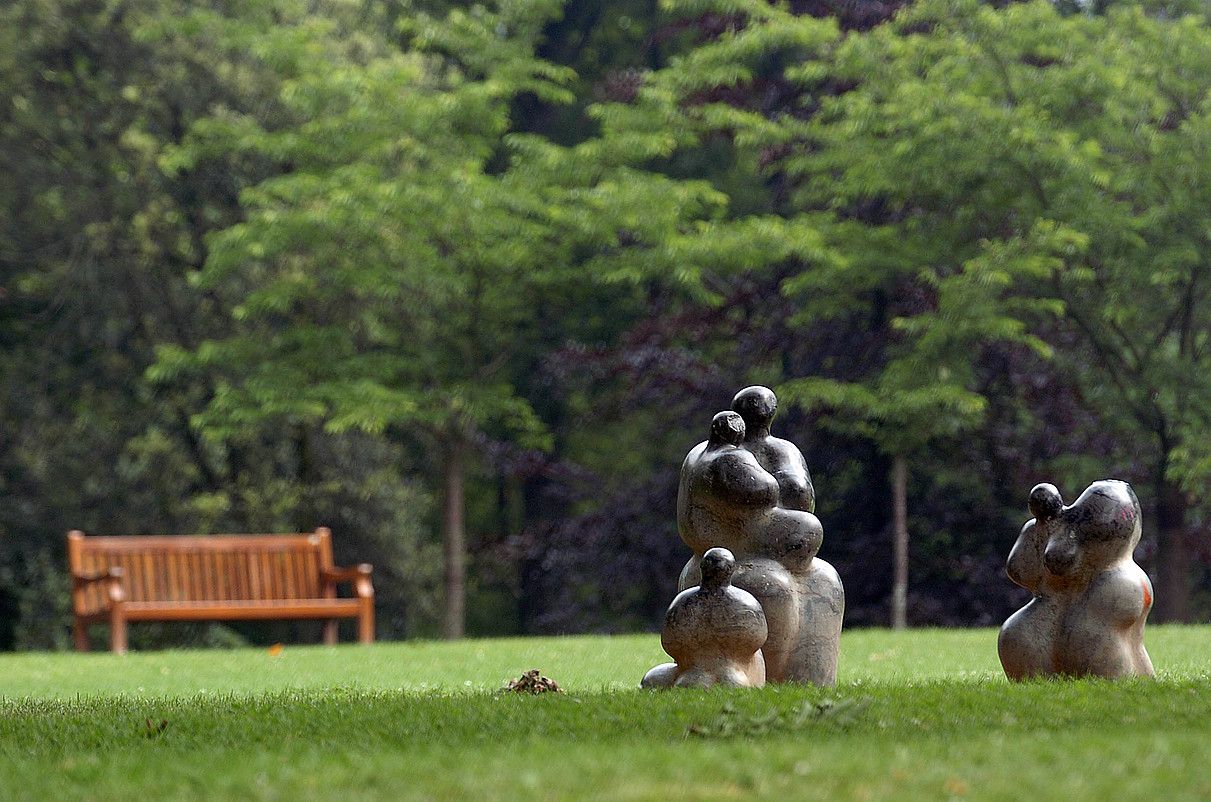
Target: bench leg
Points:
(79, 634)
(117, 634)
(330, 632)
(365, 624)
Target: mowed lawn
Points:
(919, 715)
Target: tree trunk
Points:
(1173, 552)
(899, 587)
(454, 544)
(513, 524)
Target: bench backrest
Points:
(194, 568)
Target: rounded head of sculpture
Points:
(1098, 529)
(1045, 501)
(1109, 518)
(727, 428)
(757, 405)
(717, 567)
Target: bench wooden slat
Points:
(244, 611)
(212, 577)
(290, 583)
(192, 570)
(223, 588)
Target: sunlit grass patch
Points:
(921, 714)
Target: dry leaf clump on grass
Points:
(533, 682)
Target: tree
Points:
(1073, 140)
(923, 387)
(382, 279)
(394, 278)
(917, 386)
(994, 163)
(94, 245)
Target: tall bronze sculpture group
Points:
(756, 604)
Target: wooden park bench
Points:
(116, 580)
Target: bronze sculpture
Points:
(751, 493)
(1090, 598)
(714, 632)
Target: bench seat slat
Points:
(247, 610)
(270, 609)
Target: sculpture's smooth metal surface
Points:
(1090, 598)
(751, 493)
(713, 631)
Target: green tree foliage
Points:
(1005, 165)
(917, 388)
(93, 244)
(391, 278)
(97, 243)
(280, 263)
(1052, 159)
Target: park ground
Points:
(924, 714)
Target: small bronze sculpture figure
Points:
(757, 406)
(1090, 598)
(714, 632)
(750, 492)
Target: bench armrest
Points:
(359, 575)
(111, 578)
(345, 574)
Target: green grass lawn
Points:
(918, 715)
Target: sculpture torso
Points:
(1090, 598)
(754, 497)
(714, 632)
(727, 497)
(783, 460)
